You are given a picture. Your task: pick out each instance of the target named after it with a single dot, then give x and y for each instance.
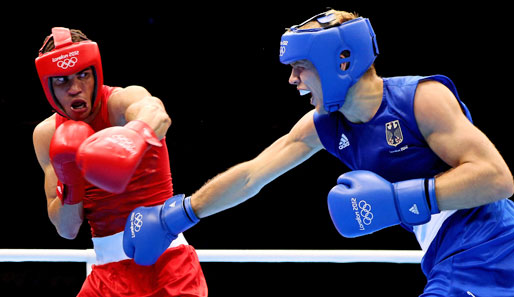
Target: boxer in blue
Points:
(415, 155)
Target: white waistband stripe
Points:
(110, 248)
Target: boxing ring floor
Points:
(313, 265)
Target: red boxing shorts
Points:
(176, 273)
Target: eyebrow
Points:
(88, 68)
(299, 63)
(80, 71)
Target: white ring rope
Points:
(317, 256)
(270, 256)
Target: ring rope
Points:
(270, 256)
(317, 256)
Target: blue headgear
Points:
(323, 48)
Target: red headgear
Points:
(68, 58)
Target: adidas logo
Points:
(414, 209)
(344, 142)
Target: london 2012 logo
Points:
(67, 63)
(136, 222)
(283, 47)
(363, 214)
(68, 60)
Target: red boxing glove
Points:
(63, 149)
(109, 158)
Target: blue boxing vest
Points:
(390, 144)
(470, 248)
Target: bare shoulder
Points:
(129, 91)
(121, 99)
(436, 107)
(126, 96)
(45, 129)
(41, 137)
(305, 131)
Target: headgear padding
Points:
(323, 48)
(68, 58)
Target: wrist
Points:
(178, 215)
(189, 210)
(70, 194)
(145, 131)
(431, 196)
(416, 200)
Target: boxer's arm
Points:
(479, 175)
(67, 219)
(136, 103)
(246, 179)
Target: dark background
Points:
(216, 68)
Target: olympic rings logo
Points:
(366, 214)
(67, 63)
(124, 142)
(283, 45)
(138, 222)
(282, 50)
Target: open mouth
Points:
(78, 105)
(307, 92)
(304, 92)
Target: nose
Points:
(75, 86)
(294, 78)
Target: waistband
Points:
(426, 233)
(110, 248)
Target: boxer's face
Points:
(75, 93)
(306, 79)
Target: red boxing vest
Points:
(151, 184)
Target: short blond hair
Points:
(341, 17)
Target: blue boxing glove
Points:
(150, 230)
(363, 202)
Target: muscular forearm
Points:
(245, 180)
(470, 185)
(67, 219)
(224, 191)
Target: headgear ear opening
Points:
(327, 48)
(67, 58)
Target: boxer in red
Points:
(103, 153)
